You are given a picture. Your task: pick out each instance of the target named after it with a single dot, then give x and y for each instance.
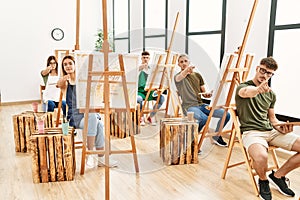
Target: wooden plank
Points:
(22, 136)
(195, 144)
(43, 159)
(32, 125)
(16, 133)
(27, 134)
(167, 145)
(68, 157)
(35, 160)
(181, 145)
(162, 140)
(51, 152)
(189, 144)
(175, 153)
(59, 157)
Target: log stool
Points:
(53, 156)
(178, 141)
(119, 127)
(24, 126)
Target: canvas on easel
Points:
(160, 79)
(116, 89)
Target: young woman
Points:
(95, 136)
(52, 93)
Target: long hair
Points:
(56, 63)
(62, 63)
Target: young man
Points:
(144, 72)
(255, 107)
(190, 86)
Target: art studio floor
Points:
(155, 180)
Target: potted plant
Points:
(100, 40)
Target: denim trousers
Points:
(201, 114)
(54, 104)
(159, 104)
(95, 128)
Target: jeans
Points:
(54, 104)
(159, 104)
(201, 115)
(95, 128)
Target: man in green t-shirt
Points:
(190, 86)
(255, 107)
(144, 69)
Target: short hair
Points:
(183, 55)
(270, 63)
(145, 53)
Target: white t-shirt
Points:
(51, 92)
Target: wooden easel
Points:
(239, 75)
(61, 91)
(165, 73)
(106, 74)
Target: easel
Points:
(106, 74)
(61, 91)
(165, 73)
(239, 75)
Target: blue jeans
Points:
(54, 104)
(95, 128)
(160, 103)
(201, 114)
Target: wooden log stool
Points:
(24, 126)
(178, 141)
(119, 126)
(53, 156)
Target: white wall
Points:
(238, 14)
(26, 42)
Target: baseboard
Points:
(18, 102)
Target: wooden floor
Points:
(154, 182)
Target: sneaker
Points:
(142, 122)
(281, 185)
(151, 120)
(112, 163)
(199, 152)
(218, 140)
(90, 161)
(264, 189)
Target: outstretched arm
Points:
(252, 91)
(184, 73)
(62, 82)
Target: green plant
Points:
(100, 40)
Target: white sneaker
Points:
(142, 122)
(151, 121)
(112, 162)
(90, 163)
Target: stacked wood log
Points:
(178, 141)
(119, 126)
(53, 156)
(24, 126)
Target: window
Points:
(155, 25)
(204, 27)
(285, 48)
(121, 25)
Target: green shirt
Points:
(45, 78)
(141, 86)
(189, 89)
(253, 112)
